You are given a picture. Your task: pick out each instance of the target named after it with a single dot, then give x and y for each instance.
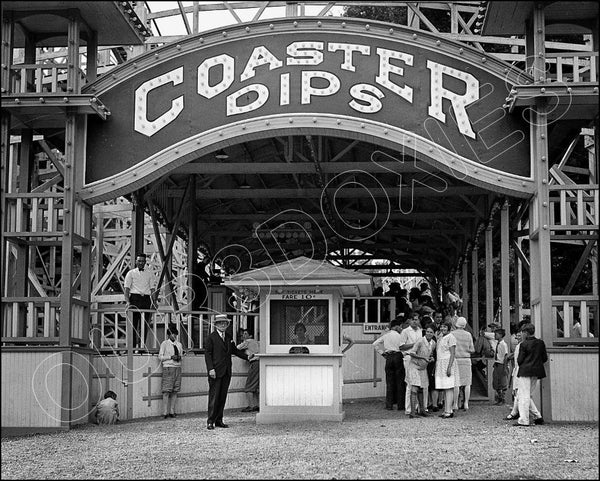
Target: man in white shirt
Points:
(388, 345)
(408, 338)
(170, 354)
(140, 294)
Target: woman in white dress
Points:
(420, 354)
(446, 371)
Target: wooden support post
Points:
(505, 277)
(86, 273)
(91, 71)
(6, 49)
(489, 276)
(456, 281)
(129, 343)
(75, 132)
(186, 333)
(465, 288)
(137, 226)
(23, 257)
(539, 218)
(518, 281)
(505, 268)
(195, 17)
(475, 288)
(73, 61)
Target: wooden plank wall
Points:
(574, 384)
(31, 389)
(358, 366)
(80, 388)
(357, 369)
(193, 397)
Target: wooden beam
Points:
(345, 193)
(355, 216)
(289, 167)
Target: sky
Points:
(214, 19)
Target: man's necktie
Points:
(176, 350)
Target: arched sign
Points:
(435, 99)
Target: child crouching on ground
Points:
(107, 410)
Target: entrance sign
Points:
(375, 328)
(425, 97)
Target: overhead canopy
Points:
(116, 23)
(508, 18)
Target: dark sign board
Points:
(425, 88)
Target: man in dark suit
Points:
(218, 350)
(531, 359)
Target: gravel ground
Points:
(371, 443)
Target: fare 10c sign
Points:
(362, 97)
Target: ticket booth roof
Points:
(304, 272)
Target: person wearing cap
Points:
(464, 348)
(169, 355)
(218, 350)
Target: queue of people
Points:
(435, 358)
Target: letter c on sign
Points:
(141, 122)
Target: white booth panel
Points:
(299, 385)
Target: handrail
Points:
(108, 330)
(31, 79)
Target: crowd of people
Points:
(431, 353)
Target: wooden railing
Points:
(360, 309)
(574, 207)
(34, 215)
(30, 318)
(36, 320)
(572, 67)
(108, 332)
(567, 310)
(27, 79)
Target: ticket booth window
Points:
(289, 317)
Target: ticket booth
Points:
(300, 337)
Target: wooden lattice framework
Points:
(48, 232)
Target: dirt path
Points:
(371, 443)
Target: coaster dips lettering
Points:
(366, 98)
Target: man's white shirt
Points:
(139, 282)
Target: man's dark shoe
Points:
(222, 425)
(521, 425)
(247, 409)
(210, 426)
(539, 421)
